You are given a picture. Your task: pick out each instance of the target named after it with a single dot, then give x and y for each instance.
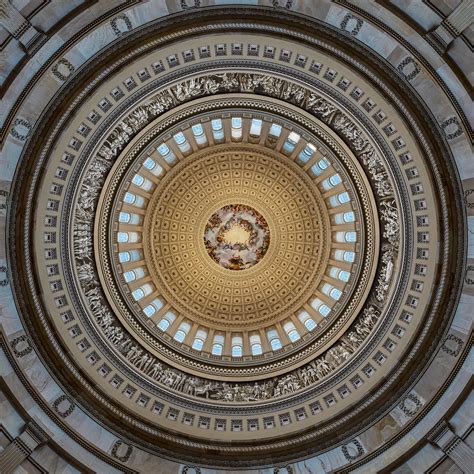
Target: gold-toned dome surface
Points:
(178, 217)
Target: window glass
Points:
(122, 237)
(350, 237)
(180, 335)
(256, 127)
(198, 344)
(149, 164)
(256, 349)
(124, 257)
(124, 217)
(129, 198)
(138, 180)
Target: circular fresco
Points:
(237, 237)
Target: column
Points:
(19, 27)
(21, 447)
(453, 446)
(452, 26)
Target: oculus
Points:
(237, 237)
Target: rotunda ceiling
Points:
(239, 232)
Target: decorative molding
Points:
(114, 23)
(63, 413)
(446, 347)
(61, 75)
(119, 446)
(410, 412)
(26, 349)
(354, 444)
(345, 22)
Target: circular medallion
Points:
(237, 237)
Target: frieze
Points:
(83, 246)
(186, 4)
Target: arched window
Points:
(256, 128)
(199, 339)
(217, 130)
(129, 256)
(129, 198)
(237, 346)
(138, 180)
(166, 321)
(152, 166)
(349, 256)
(307, 320)
(275, 131)
(291, 331)
(343, 197)
(236, 128)
(350, 237)
(166, 153)
(129, 276)
(128, 237)
(320, 166)
(124, 257)
(133, 199)
(182, 331)
(198, 344)
(307, 152)
(127, 218)
(124, 217)
(335, 294)
(141, 292)
(344, 276)
(291, 142)
(274, 339)
(141, 182)
(255, 345)
(324, 310)
(320, 307)
(199, 135)
(138, 294)
(349, 217)
(217, 345)
(335, 179)
(122, 237)
(153, 307)
(331, 182)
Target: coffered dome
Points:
(236, 238)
